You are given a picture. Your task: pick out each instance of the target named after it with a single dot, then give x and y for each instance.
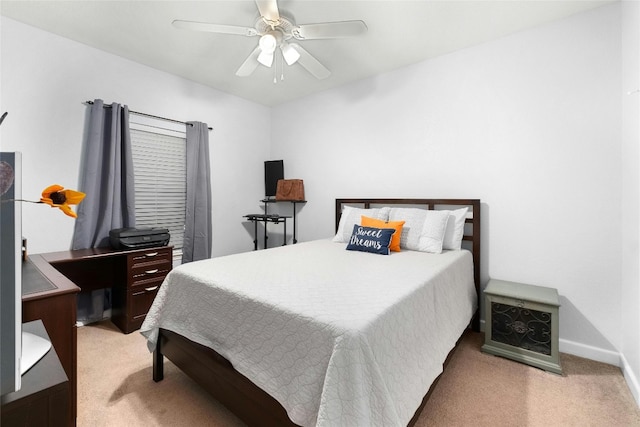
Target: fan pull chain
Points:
(282, 69)
(275, 69)
(275, 72)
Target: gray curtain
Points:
(197, 230)
(106, 176)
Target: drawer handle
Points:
(151, 271)
(151, 289)
(151, 254)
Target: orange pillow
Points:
(378, 223)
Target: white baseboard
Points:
(610, 357)
(632, 380)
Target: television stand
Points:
(43, 398)
(275, 219)
(34, 348)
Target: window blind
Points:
(159, 163)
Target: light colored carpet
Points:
(115, 389)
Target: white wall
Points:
(530, 124)
(46, 79)
(630, 347)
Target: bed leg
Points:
(475, 322)
(158, 363)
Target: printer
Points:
(138, 238)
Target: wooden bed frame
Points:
(242, 397)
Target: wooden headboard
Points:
(471, 233)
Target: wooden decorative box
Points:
(521, 323)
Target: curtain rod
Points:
(148, 115)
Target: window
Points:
(159, 163)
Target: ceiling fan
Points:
(275, 32)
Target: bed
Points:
(311, 334)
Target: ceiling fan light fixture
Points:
(276, 31)
(268, 42)
(265, 58)
(289, 53)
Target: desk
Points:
(50, 296)
(134, 275)
(43, 398)
(51, 282)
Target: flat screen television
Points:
(273, 171)
(10, 272)
(19, 350)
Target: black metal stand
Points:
(275, 219)
(294, 202)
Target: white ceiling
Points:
(400, 33)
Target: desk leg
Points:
(285, 232)
(265, 234)
(294, 223)
(255, 234)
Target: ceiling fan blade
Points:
(215, 28)
(250, 64)
(329, 30)
(269, 10)
(310, 63)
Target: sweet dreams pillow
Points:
(370, 239)
(396, 226)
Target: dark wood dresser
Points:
(133, 297)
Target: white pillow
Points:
(455, 229)
(351, 216)
(432, 234)
(413, 223)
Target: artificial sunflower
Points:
(57, 197)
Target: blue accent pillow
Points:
(370, 239)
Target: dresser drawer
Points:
(130, 306)
(148, 267)
(152, 254)
(140, 300)
(148, 274)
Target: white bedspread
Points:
(339, 338)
